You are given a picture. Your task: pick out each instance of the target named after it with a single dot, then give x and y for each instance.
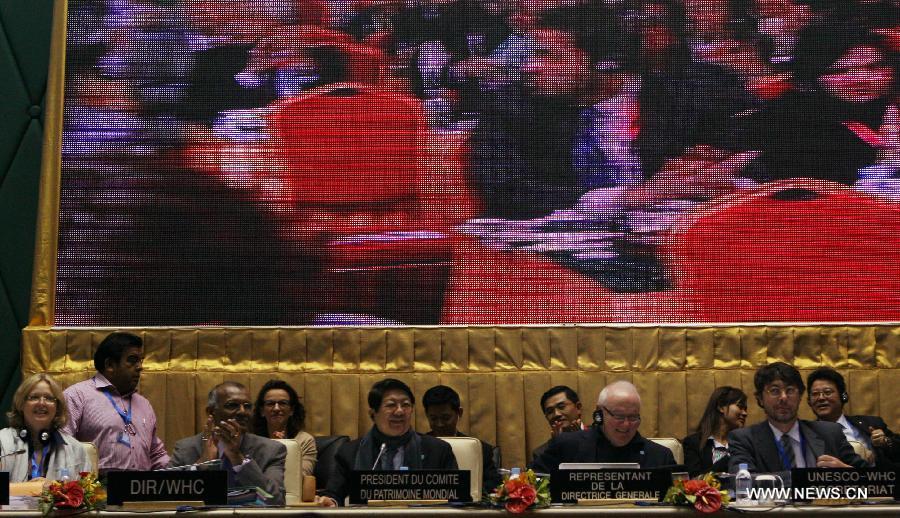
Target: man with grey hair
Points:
(614, 436)
(250, 460)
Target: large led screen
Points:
(389, 162)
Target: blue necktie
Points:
(788, 450)
(229, 469)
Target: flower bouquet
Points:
(81, 494)
(521, 492)
(704, 494)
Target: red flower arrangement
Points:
(84, 493)
(522, 492)
(703, 494)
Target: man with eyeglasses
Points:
(614, 438)
(389, 445)
(562, 410)
(827, 397)
(250, 460)
(783, 441)
(108, 411)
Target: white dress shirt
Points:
(800, 457)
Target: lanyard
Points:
(126, 416)
(785, 461)
(37, 469)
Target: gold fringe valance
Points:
(500, 372)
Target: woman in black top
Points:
(707, 448)
(831, 126)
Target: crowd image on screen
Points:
(579, 130)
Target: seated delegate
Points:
(38, 414)
(390, 444)
(613, 439)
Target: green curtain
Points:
(24, 54)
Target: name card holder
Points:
(398, 488)
(841, 486)
(609, 486)
(4, 487)
(145, 490)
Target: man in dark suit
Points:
(389, 445)
(783, 441)
(614, 438)
(827, 396)
(562, 410)
(251, 460)
(443, 410)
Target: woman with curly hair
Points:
(279, 414)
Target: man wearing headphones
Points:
(827, 397)
(614, 436)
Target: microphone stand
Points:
(380, 453)
(17, 452)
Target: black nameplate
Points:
(410, 485)
(837, 483)
(572, 485)
(4, 487)
(159, 486)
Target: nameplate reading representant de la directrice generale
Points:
(410, 485)
(572, 485)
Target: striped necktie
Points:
(788, 450)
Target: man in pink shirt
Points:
(107, 411)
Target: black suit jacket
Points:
(755, 446)
(802, 134)
(537, 452)
(436, 454)
(592, 446)
(885, 457)
(698, 458)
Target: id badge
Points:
(124, 438)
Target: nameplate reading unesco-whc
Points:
(4, 487)
(842, 483)
(583, 485)
(419, 485)
(209, 487)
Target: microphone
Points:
(380, 453)
(20, 451)
(214, 463)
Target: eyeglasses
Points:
(233, 406)
(778, 391)
(34, 398)
(283, 403)
(391, 405)
(622, 418)
(823, 393)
